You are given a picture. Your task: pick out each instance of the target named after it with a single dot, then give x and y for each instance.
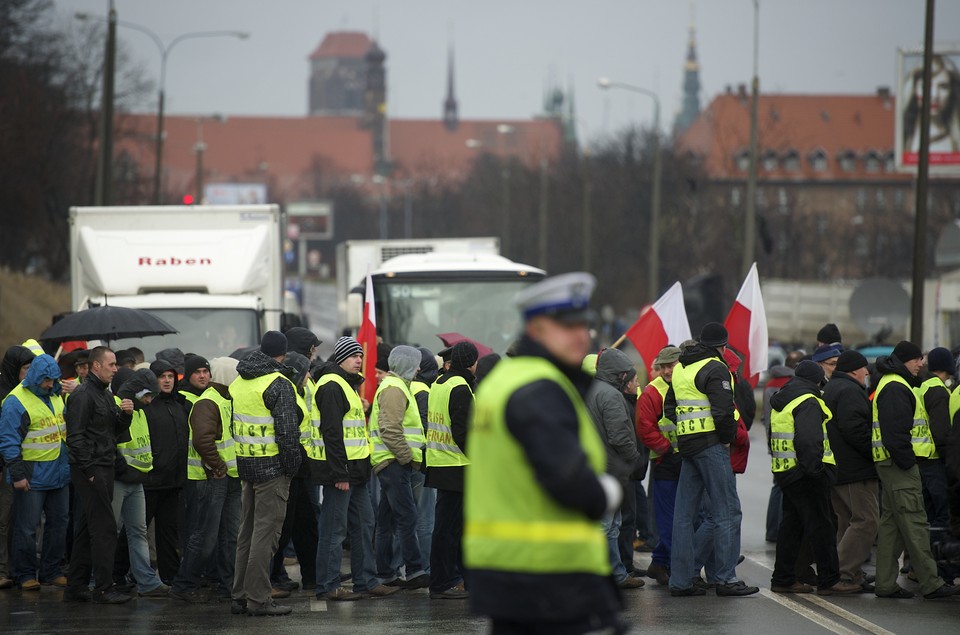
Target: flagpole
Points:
(619, 341)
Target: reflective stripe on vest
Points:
(47, 430)
(442, 450)
(922, 437)
(693, 406)
(137, 452)
(34, 347)
(667, 428)
(226, 447)
(919, 429)
(253, 425)
(782, 429)
(355, 439)
(511, 523)
(412, 426)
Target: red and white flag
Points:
(367, 338)
(747, 327)
(664, 322)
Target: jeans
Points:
(397, 512)
(807, 517)
(130, 512)
(642, 523)
(6, 502)
(342, 513)
(933, 476)
(628, 527)
(446, 566)
(214, 516)
(707, 472)
(94, 529)
(262, 508)
(664, 497)
(611, 527)
(426, 499)
(29, 506)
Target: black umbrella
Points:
(106, 323)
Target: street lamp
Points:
(164, 54)
(653, 272)
(199, 149)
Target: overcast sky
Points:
(506, 50)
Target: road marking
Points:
(810, 614)
(847, 615)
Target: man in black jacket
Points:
(936, 404)
(855, 495)
(93, 424)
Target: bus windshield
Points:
(208, 332)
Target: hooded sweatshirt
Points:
(14, 359)
(895, 407)
(133, 386)
(611, 412)
(403, 362)
(14, 423)
(808, 432)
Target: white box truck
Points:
(213, 272)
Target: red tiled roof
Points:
(343, 44)
(833, 125)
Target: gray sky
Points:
(507, 49)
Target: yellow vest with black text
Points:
(442, 450)
(254, 434)
(412, 425)
(920, 438)
(137, 452)
(356, 441)
(226, 446)
(510, 522)
(693, 407)
(310, 437)
(667, 428)
(783, 452)
(47, 430)
(921, 393)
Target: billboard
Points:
(944, 110)
(234, 193)
(312, 220)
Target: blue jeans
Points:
(27, 509)
(130, 511)
(611, 526)
(426, 498)
(709, 473)
(213, 516)
(340, 513)
(397, 512)
(664, 498)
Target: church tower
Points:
(451, 119)
(690, 109)
(375, 105)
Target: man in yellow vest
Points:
(426, 497)
(448, 412)
(900, 435)
(214, 484)
(266, 436)
(804, 468)
(32, 435)
(936, 406)
(397, 444)
(535, 492)
(700, 402)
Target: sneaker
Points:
(659, 573)
(736, 589)
(279, 594)
(5, 582)
(60, 581)
(76, 595)
(842, 587)
(796, 587)
(30, 585)
(238, 607)
(271, 608)
(125, 587)
(422, 581)
(341, 595)
(195, 596)
(630, 583)
(380, 591)
(162, 591)
(458, 592)
(682, 593)
(945, 591)
(899, 594)
(110, 596)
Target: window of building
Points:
(861, 245)
(899, 198)
(881, 198)
(818, 161)
(848, 161)
(742, 160)
(871, 162)
(735, 197)
(791, 161)
(769, 161)
(783, 201)
(861, 199)
(889, 165)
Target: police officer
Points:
(900, 435)
(700, 402)
(536, 491)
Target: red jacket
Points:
(740, 449)
(649, 411)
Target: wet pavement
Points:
(650, 609)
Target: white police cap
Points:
(565, 298)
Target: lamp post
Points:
(199, 149)
(164, 50)
(750, 227)
(653, 271)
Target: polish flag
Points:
(747, 326)
(665, 322)
(367, 337)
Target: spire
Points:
(450, 118)
(690, 109)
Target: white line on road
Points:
(847, 615)
(810, 614)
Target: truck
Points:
(214, 273)
(449, 285)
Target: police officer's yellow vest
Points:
(254, 434)
(920, 438)
(693, 407)
(442, 450)
(782, 430)
(667, 428)
(921, 393)
(511, 523)
(412, 425)
(310, 437)
(226, 447)
(137, 452)
(47, 430)
(355, 439)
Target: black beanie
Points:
(829, 334)
(463, 356)
(714, 335)
(273, 344)
(193, 363)
(383, 354)
(940, 359)
(811, 371)
(906, 351)
(850, 361)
